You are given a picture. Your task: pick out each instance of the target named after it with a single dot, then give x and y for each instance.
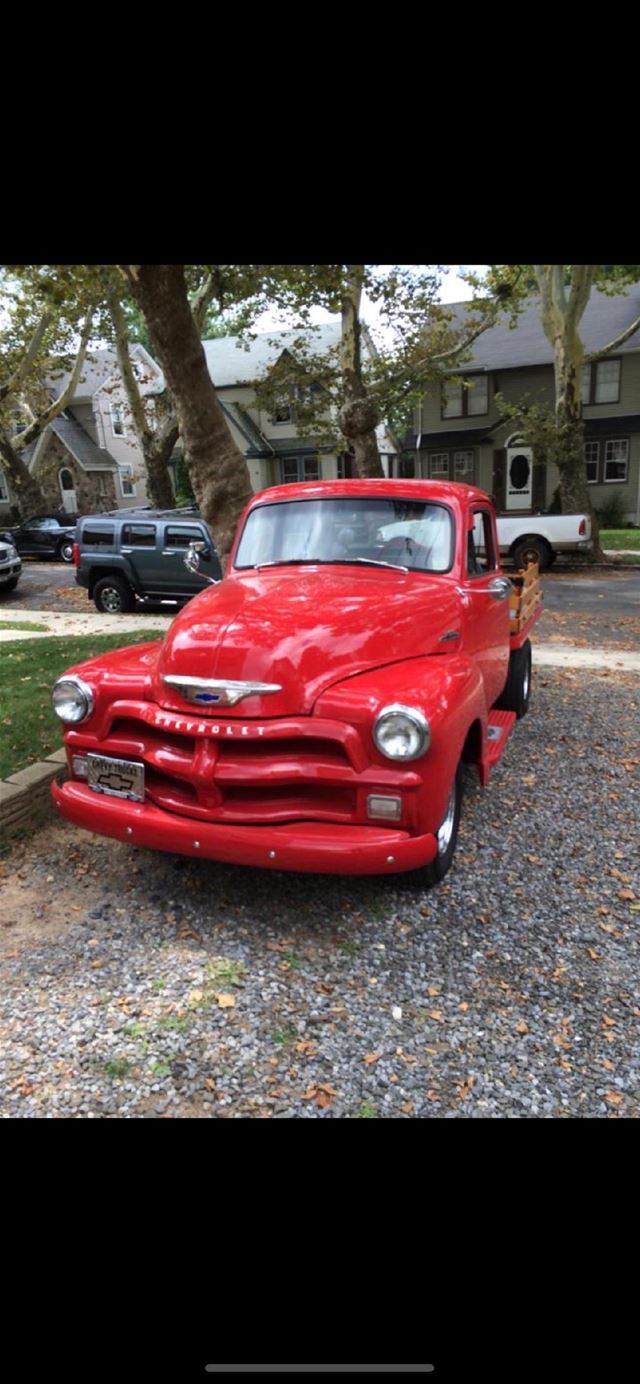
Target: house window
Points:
(117, 421)
(616, 460)
(463, 467)
(300, 469)
(345, 467)
(439, 465)
(591, 457)
(601, 382)
(126, 481)
(466, 398)
(283, 414)
(4, 492)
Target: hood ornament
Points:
(218, 691)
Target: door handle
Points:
(172, 552)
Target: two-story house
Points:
(459, 433)
(88, 458)
(275, 448)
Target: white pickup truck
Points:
(539, 537)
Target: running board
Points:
(499, 729)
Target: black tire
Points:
(65, 550)
(517, 689)
(532, 548)
(11, 584)
(112, 596)
(429, 875)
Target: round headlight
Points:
(72, 699)
(401, 732)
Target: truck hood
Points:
(303, 630)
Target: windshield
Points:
(399, 533)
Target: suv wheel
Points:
(112, 596)
(65, 551)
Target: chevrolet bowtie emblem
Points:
(217, 692)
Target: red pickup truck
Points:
(311, 711)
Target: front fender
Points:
(447, 688)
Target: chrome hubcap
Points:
(446, 830)
(111, 600)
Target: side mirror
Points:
(192, 560)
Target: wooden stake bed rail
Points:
(525, 602)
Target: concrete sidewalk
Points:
(61, 623)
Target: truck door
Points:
(487, 591)
(140, 558)
(177, 578)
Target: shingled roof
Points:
(503, 348)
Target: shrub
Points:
(611, 513)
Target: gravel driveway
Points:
(137, 984)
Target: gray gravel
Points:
(141, 985)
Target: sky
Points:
(452, 290)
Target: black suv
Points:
(129, 554)
(46, 535)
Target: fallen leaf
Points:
(463, 1006)
(407, 1109)
(372, 1057)
(533, 859)
(435, 1014)
(608, 1023)
(626, 894)
(393, 1079)
(306, 1047)
(226, 1001)
(610, 1066)
(210, 1085)
(613, 1098)
(522, 1027)
(595, 956)
(434, 990)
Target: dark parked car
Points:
(46, 535)
(130, 554)
(10, 564)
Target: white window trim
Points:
(439, 475)
(127, 495)
(592, 461)
(615, 480)
(121, 412)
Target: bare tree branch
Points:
(613, 345)
(39, 424)
(15, 381)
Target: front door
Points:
(176, 578)
(487, 623)
(67, 490)
(519, 486)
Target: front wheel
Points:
(112, 596)
(517, 689)
(447, 839)
(65, 551)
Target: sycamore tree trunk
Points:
(26, 491)
(217, 468)
(564, 298)
(359, 416)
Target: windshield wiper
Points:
(377, 562)
(328, 562)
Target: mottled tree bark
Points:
(358, 417)
(26, 491)
(217, 468)
(562, 307)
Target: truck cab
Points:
(313, 710)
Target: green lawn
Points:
(22, 625)
(29, 727)
(620, 538)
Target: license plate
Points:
(122, 778)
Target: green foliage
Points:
(184, 488)
(611, 512)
